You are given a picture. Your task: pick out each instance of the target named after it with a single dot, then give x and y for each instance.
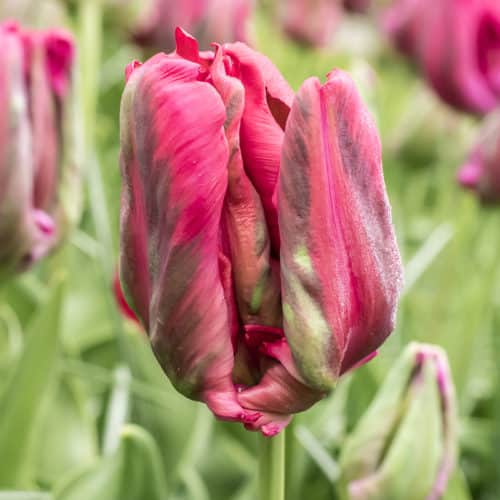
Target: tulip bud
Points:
(202, 139)
(412, 420)
(312, 22)
(36, 164)
(481, 173)
(460, 62)
(19, 228)
(223, 20)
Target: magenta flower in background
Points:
(457, 45)
(481, 173)
(312, 22)
(34, 142)
(223, 20)
(256, 239)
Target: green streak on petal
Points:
(301, 259)
(309, 336)
(256, 300)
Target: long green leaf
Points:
(23, 398)
(24, 495)
(133, 472)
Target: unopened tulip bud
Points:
(24, 232)
(35, 163)
(404, 446)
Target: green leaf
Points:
(133, 472)
(26, 392)
(318, 453)
(169, 417)
(457, 488)
(68, 438)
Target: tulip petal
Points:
(341, 270)
(44, 126)
(60, 56)
(277, 395)
(469, 174)
(256, 282)
(267, 100)
(170, 240)
(449, 55)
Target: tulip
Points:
(456, 43)
(412, 420)
(481, 173)
(224, 20)
(248, 276)
(312, 22)
(38, 165)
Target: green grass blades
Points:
(133, 471)
(24, 495)
(26, 392)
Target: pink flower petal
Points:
(175, 177)
(340, 265)
(256, 282)
(267, 100)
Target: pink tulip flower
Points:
(481, 173)
(456, 43)
(256, 239)
(34, 91)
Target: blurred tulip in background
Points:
(311, 22)
(209, 20)
(456, 44)
(38, 168)
(405, 444)
(481, 173)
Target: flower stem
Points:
(90, 54)
(272, 468)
